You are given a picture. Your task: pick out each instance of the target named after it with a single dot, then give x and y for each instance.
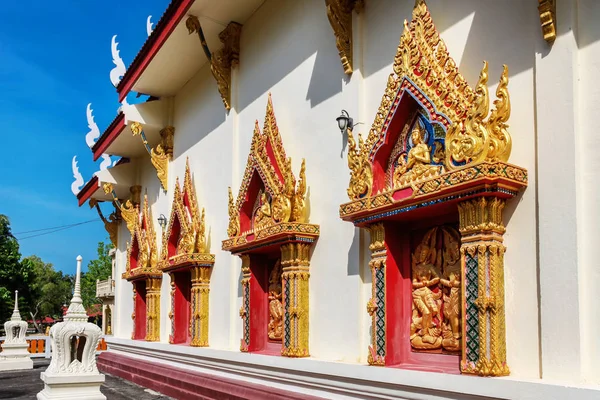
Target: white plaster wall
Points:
(204, 135)
(588, 163)
(122, 323)
(288, 49)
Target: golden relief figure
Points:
(436, 292)
(451, 291)
(263, 214)
(275, 305)
(417, 165)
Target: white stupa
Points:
(14, 349)
(72, 373)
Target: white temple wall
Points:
(123, 325)
(587, 37)
(551, 317)
(204, 132)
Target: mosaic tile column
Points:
(200, 295)
(483, 320)
(153, 309)
(245, 309)
(295, 273)
(376, 305)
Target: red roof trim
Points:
(165, 26)
(92, 185)
(87, 191)
(109, 135)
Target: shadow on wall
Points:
(201, 103)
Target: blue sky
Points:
(55, 59)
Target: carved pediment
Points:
(269, 194)
(429, 125)
(142, 251)
(184, 241)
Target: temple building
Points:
(356, 199)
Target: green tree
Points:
(98, 269)
(50, 289)
(13, 274)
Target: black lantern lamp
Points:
(345, 121)
(162, 221)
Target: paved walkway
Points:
(25, 385)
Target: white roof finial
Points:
(78, 183)
(94, 133)
(116, 74)
(149, 25)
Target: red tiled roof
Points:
(167, 23)
(90, 187)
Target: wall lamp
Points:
(162, 221)
(346, 122)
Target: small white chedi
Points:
(14, 349)
(72, 373)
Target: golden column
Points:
(245, 309)
(200, 295)
(133, 313)
(295, 273)
(376, 305)
(153, 309)
(483, 320)
(172, 306)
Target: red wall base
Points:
(183, 384)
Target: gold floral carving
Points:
(159, 155)
(127, 211)
(422, 64)
(190, 252)
(153, 285)
(361, 172)
(147, 252)
(482, 259)
(111, 224)
(339, 13)
(296, 266)
(376, 307)
(547, 10)
(223, 60)
(475, 140)
(234, 217)
(283, 199)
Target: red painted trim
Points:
(87, 191)
(180, 383)
(165, 26)
(110, 134)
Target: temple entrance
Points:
(140, 309)
(422, 296)
(266, 304)
(182, 306)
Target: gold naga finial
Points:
(477, 140)
(361, 173)
(234, 219)
(299, 204)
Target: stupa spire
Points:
(16, 316)
(76, 311)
